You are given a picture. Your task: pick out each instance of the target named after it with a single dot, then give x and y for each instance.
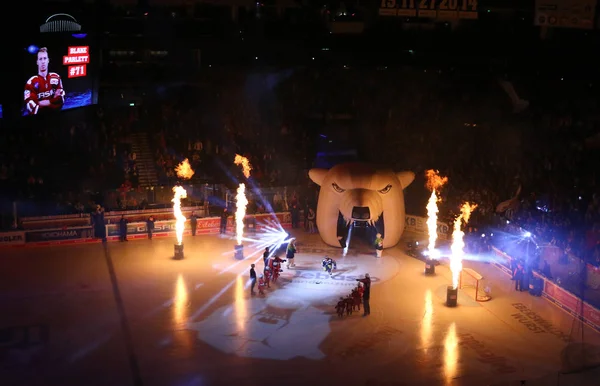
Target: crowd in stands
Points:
(53, 166)
(447, 118)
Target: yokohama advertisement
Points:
(55, 235)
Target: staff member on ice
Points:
(150, 226)
(123, 229)
(193, 223)
(366, 293)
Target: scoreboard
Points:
(435, 9)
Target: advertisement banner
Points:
(54, 235)
(419, 224)
(204, 225)
(565, 298)
(501, 261)
(12, 238)
(565, 13)
(139, 228)
(572, 304)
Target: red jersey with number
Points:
(39, 88)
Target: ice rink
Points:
(66, 321)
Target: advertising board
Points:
(555, 294)
(12, 238)
(56, 235)
(419, 224)
(572, 304)
(565, 13)
(204, 225)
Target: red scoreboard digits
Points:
(77, 61)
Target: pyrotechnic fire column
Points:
(457, 249)
(430, 266)
(241, 203)
(179, 221)
(434, 183)
(184, 171)
(239, 251)
(178, 255)
(451, 296)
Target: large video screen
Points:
(1, 116)
(57, 75)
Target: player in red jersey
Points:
(44, 91)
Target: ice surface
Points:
(193, 321)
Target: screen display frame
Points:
(59, 78)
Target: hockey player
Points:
(329, 265)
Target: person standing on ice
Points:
(123, 228)
(366, 296)
(252, 279)
(266, 255)
(150, 226)
(378, 244)
(193, 222)
(290, 253)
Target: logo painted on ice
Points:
(266, 331)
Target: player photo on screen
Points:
(57, 78)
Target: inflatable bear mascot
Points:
(361, 193)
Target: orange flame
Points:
(458, 243)
(184, 170)
(246, 167)
(180, 193)
(240, 198)
(434, 180)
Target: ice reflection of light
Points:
(427, 321)
(451, 354)
(348, 240)
(241, 312)
(271, 235)
(212, 300)
(180, 303)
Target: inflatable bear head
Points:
(361, 193)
